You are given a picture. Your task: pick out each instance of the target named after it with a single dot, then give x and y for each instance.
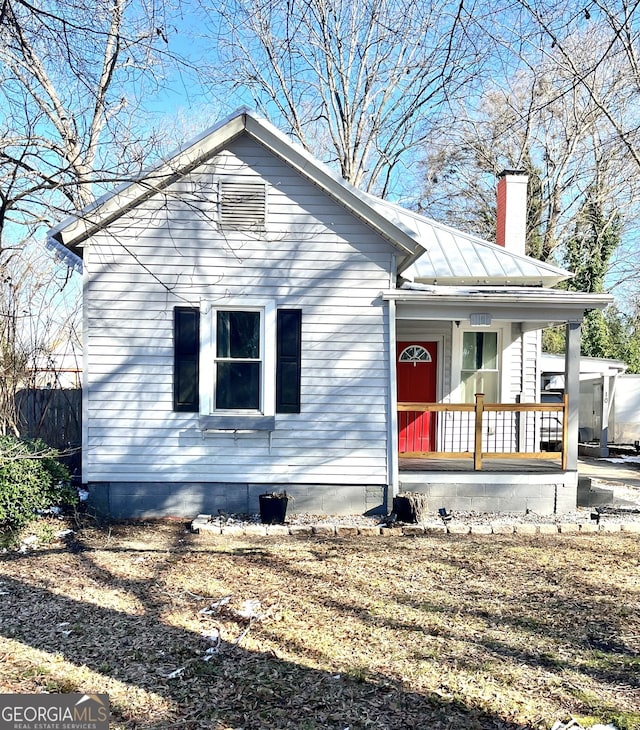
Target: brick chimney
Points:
(511, 215)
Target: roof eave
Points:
(537, 300)
(541, 281)
(533, 309)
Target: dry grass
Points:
(429, 632)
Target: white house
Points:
(626, 425)
(600, 381)
(252, 322)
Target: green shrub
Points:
(31, 480)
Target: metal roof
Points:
(453, 257)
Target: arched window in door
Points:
(415, 353)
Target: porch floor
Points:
(502, 466)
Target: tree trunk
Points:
(410, 507)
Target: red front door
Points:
(416, 373)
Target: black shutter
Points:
(186, 357)
(288, 356)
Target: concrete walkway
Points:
(608, 482)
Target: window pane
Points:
(479, 350)
(238, 385)
(469, 350)
(489, 350)
(238, 334)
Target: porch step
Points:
(592, 493)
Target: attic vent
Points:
(414, 353)
(243, 205)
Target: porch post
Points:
(477, 438)
(604, 421)
(572, 389)
(392, 433)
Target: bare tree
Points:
(542, 124)
(70, 81)
(360, 83)
(72, 77)
(607, 30)
(591, 42)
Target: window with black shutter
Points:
(240, 370)
(186, 355)
(288, 360)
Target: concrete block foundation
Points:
(148, 500)
(469, 492)
(495, 492)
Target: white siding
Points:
(512, 360)
(531, 348)
(169, 252)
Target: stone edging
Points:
(202, 524)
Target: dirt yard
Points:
(431, 632)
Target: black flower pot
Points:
(273, 508)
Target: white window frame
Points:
(208, 319)
(456, 374)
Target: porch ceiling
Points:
(535, 307)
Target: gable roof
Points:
(429, 251)
(76, 229)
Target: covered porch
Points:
(482, 432)
(507, 478)
(485, 449)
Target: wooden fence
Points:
(53, 415)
